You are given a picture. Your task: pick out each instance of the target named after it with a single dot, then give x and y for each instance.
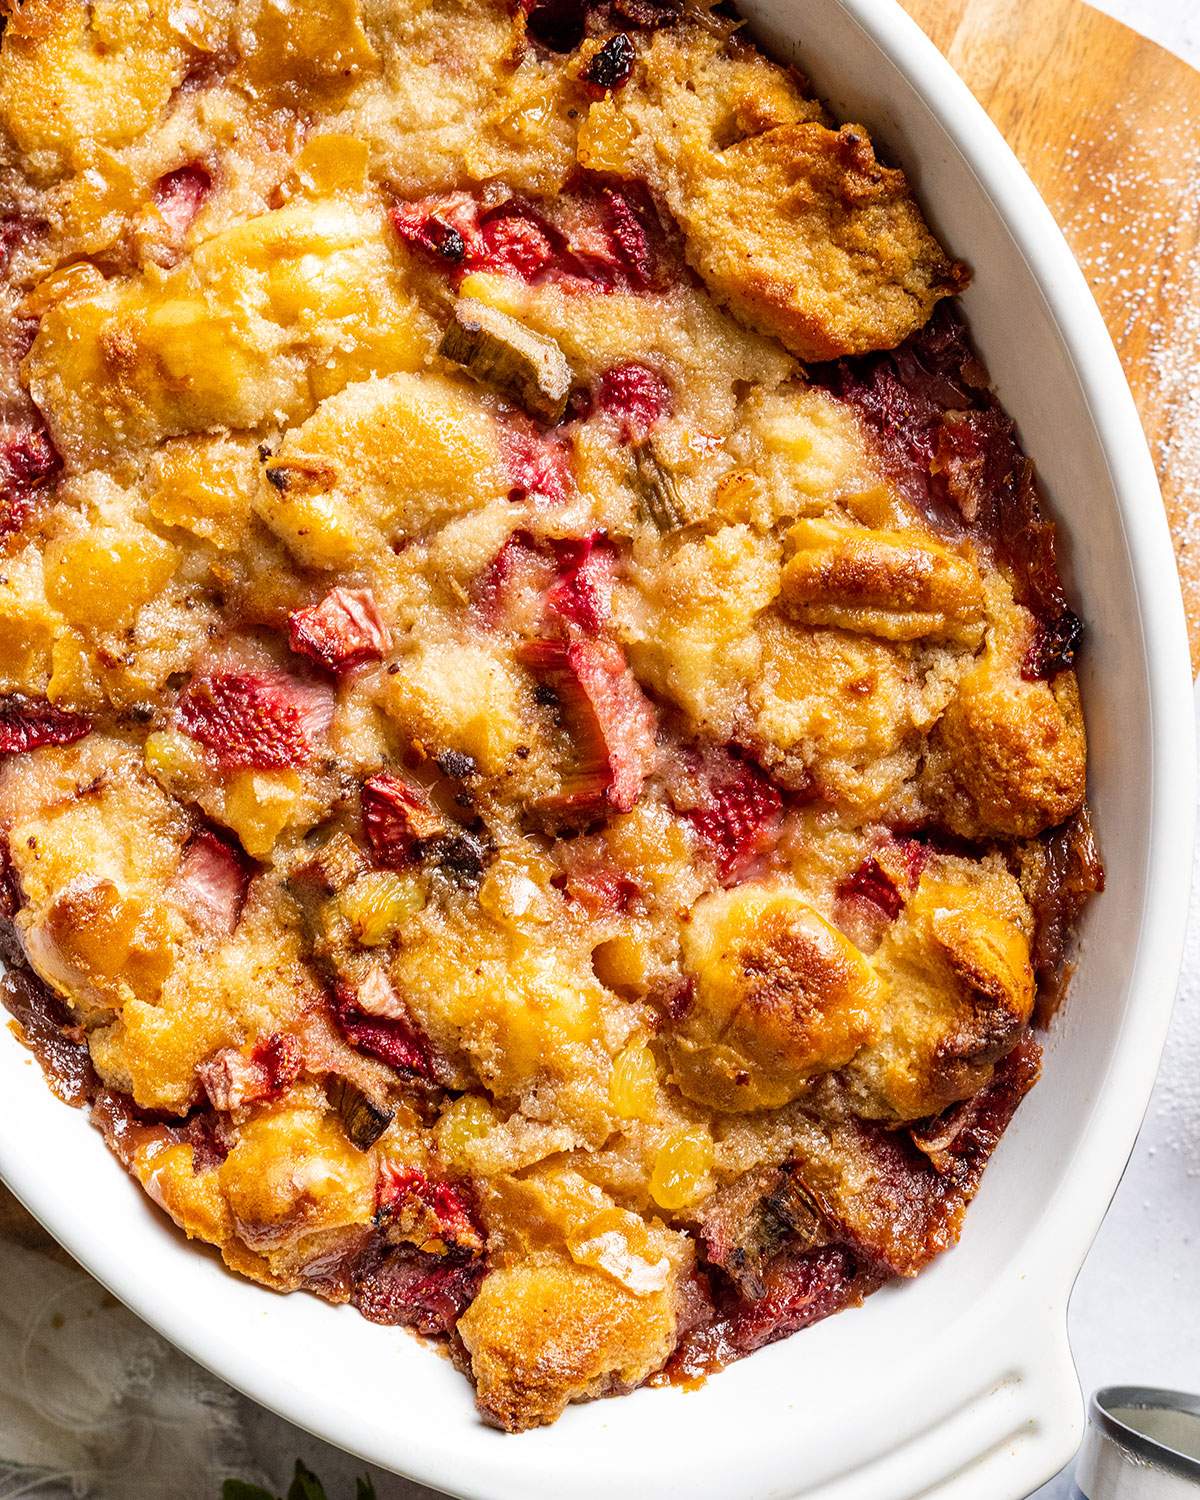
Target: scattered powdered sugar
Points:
(1135, 224)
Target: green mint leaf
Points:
(305, 1485)
(238, 1489)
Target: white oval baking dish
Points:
(959, 1383)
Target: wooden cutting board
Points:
(1108, 126)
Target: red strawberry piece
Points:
(17, 230)
(341, 632)
(232, 1078)
(393, 1039)
(255, 720)
(637, 396)
(629, 223)
(875, 892)
(798, 1290)
(212, 881)
(600, 241)
(403, 1287)
(611, 722)
(396, 816)
(444, 227)
(314, 702)
(871, 882)
(734, 809)
(511, 239)
(912, 856)
(179, 196)
(539, 467)
(570, 576)
(516, 241)
(602, 891)
(280, 1059)
(402, 1191)
(583, 593)
(28, 461)
(28, 723)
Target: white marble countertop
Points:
(1172, 23)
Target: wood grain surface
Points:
(1108, 126)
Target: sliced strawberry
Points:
(799, 1289)
(871, 882)
(280, 1059)
(314, 702)
(179, 196)
(232, 1078)
(396, 816)
(28, 462)
(212, 881)
(609, 718)
(517, 241)
(632, 224)
(510, 239)
(637, 396)
(255, 720)
(879, 886)
(28, 723)
(732, 807)
(442, 227)
(341, 632)
(539, 466)
(572, 577)
(423, 1210)
(583, 593)
(394, 1040)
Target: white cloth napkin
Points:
(92, 1403)
(95, 1406)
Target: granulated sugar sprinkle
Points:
(1144, 265)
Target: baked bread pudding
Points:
(542, 778)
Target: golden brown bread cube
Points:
(379, 461)
(76, 76)
(546, 1332)
(797, 227)
(1008, 756)
(808, 237)
(780, 996)
(956, 992)
(885, 583)
(99, 946)
(227, 338)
